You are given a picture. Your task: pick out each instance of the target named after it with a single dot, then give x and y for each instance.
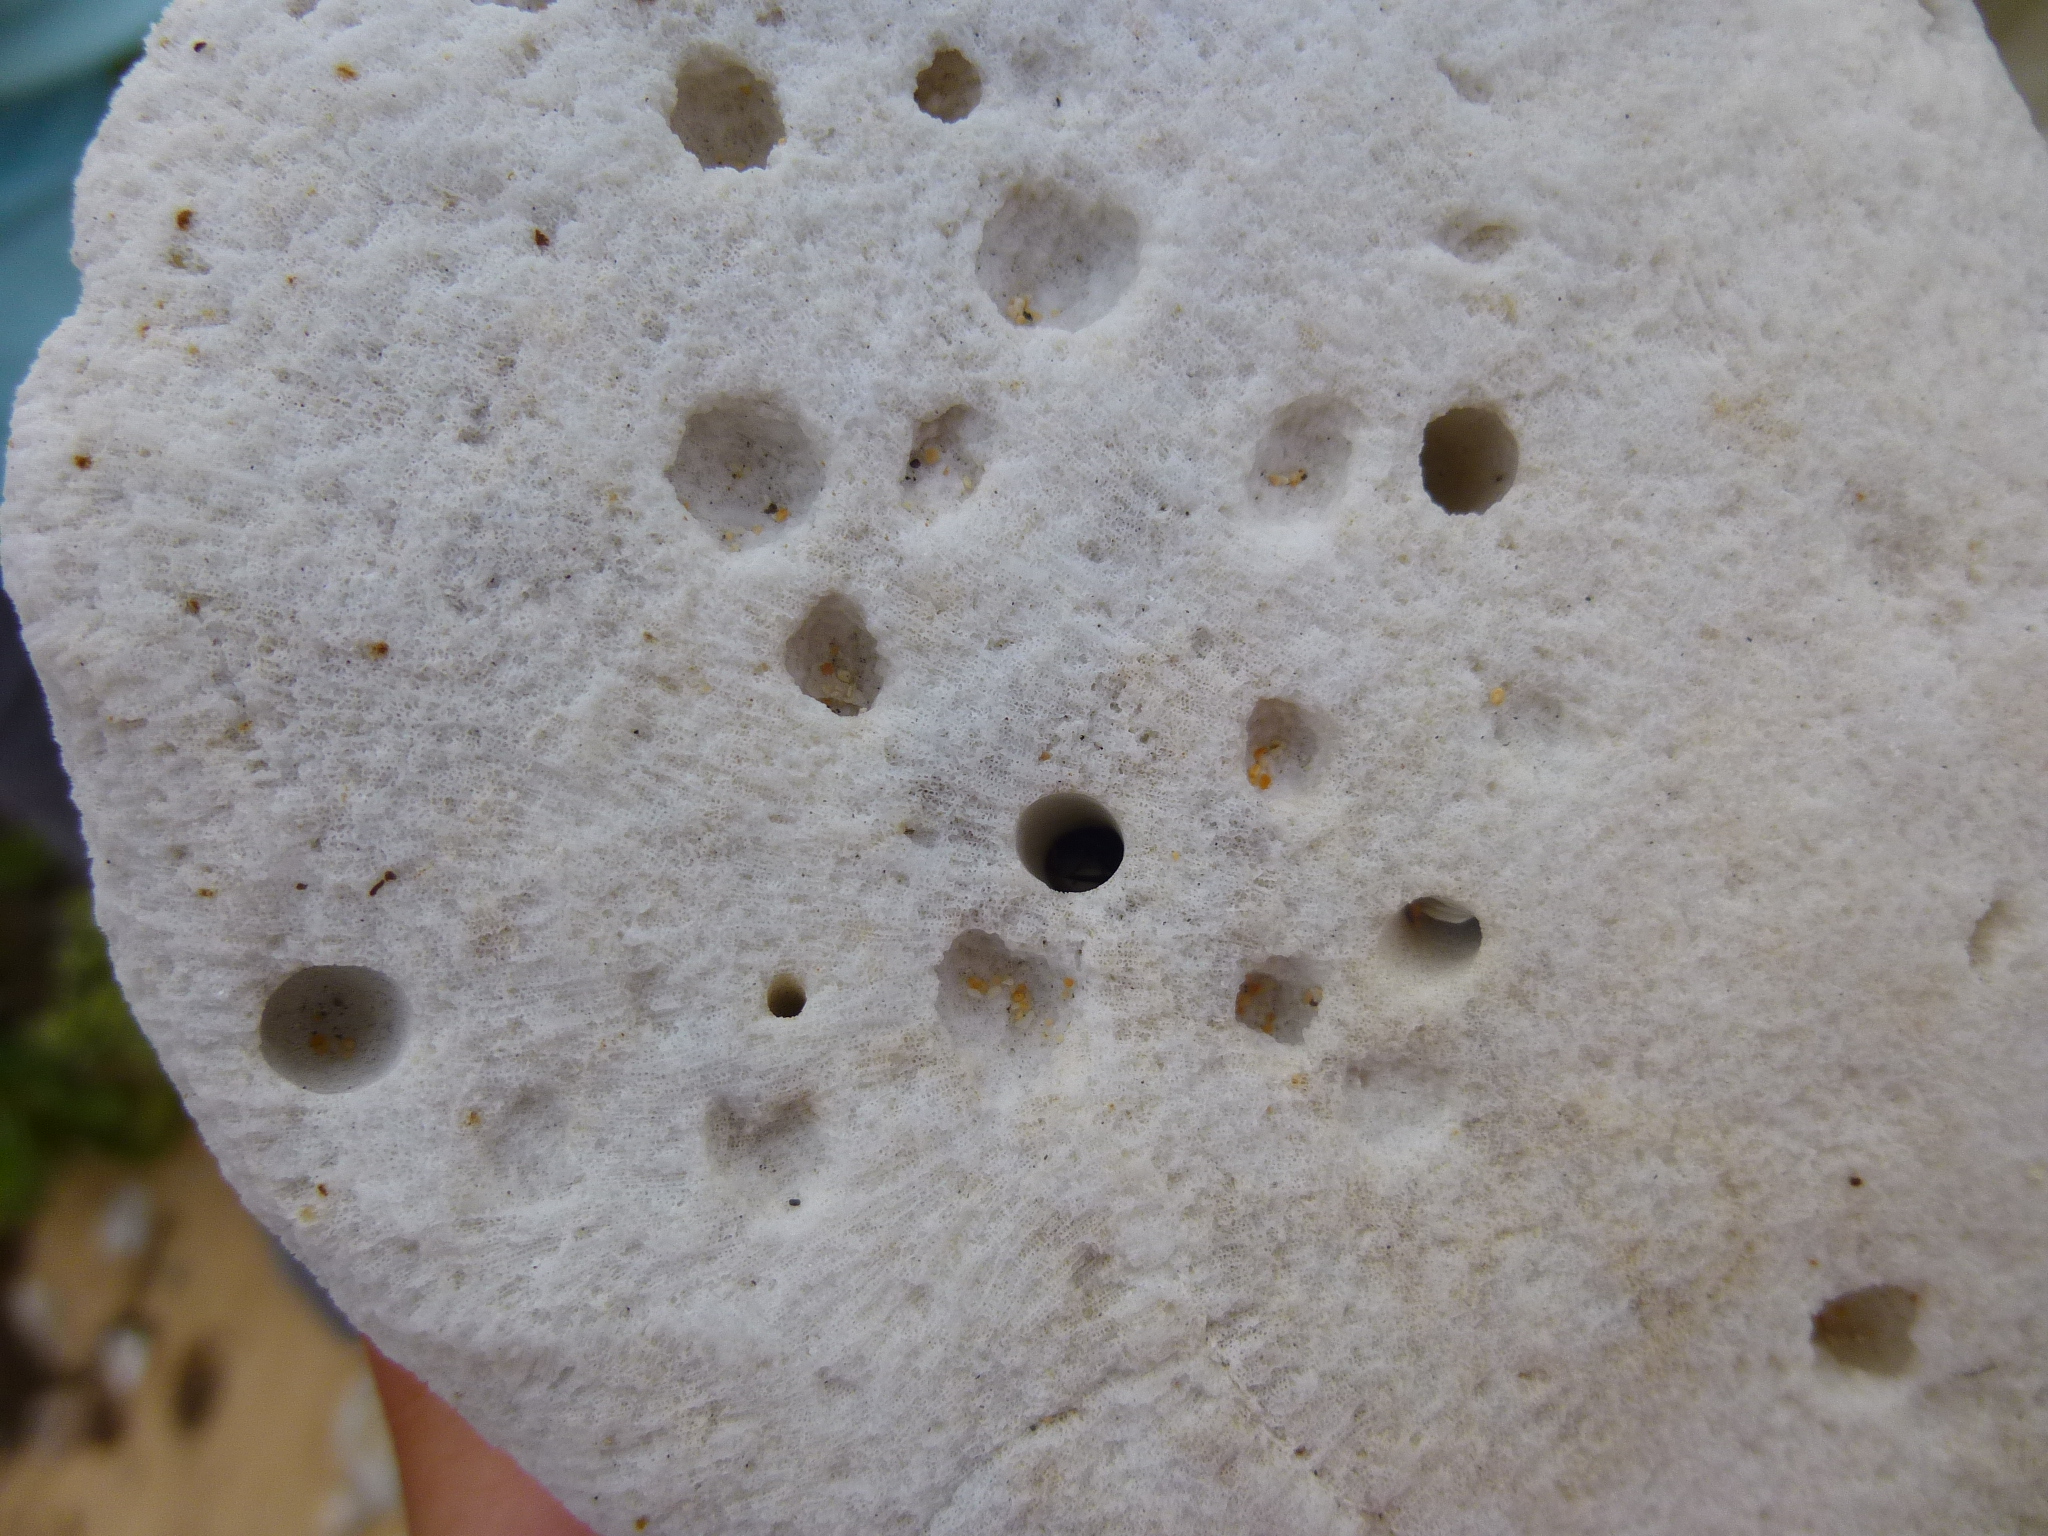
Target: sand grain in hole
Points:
(996, 1000)
(1279, 746)
(1303, 459)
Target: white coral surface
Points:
(561, 592)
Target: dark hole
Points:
(1440, 931)
(786, 997)
(1084, 858)
(197, 1391)
(1070, 842)
(1469, 458)
(1869, 1330)
(949, 87)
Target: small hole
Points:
(1869, 1330)
(1049, 259)
(1304, 456)
(196, 1392)
(1439, 932)
(330, 1028)
(747, 468)
(1469, 458)
(1070, 842)
(725, 114)
(786, 997)
(1278, 745)
(832, 657)
(949, 87)
(1278, 1000)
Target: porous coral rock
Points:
(1610, 428)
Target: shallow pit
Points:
(1990, 933)
(1049, 259)
(1070, 842)
(1870, 1330)
(746, 468)
(1278, 999)
(1474, 238)
(725, 114)
(996, 999)
(1303, 459)
(331, 1028)
(947, 453)
(832, 656)
(764, 1146)
(949, 87)
(1279, 746)
(1469, 459)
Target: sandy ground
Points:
(189, 1387)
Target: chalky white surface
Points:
(376, 566)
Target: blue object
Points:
(59, 63)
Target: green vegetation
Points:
(75, 1072)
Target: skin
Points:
(455, 1483)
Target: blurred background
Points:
(164, 1366)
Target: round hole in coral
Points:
(1869, 1330)
(725, 114)
(1050, 259)
(1469, 458)
(1437, 931)
(786, 996)
(746, 468)
(833, 658)
(949, 87)
(330, 1028)
(1070, 842)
